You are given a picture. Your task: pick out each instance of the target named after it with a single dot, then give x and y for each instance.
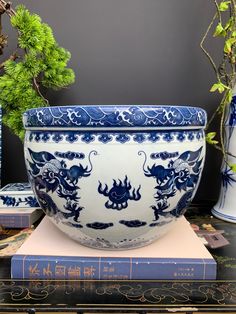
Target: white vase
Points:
(225, 208)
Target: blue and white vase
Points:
(225, 208)
(114, 177)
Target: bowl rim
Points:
(115, 117)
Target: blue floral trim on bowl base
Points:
(125, 243)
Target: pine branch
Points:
(3, 39)
(6, 7)
(36, 87)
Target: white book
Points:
(48, 253)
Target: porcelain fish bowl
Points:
(114, 177)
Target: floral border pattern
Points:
(107, 137)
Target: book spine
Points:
(15, 221)
(56, 267)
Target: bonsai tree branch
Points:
(6, 7)
(13, 57)
(36, 86)
(3, 38)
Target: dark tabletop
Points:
(132, 296)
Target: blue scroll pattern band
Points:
(119, 137)
(115, 116)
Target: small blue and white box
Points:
(17, 195)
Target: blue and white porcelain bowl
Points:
(114, 177)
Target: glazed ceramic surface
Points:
(114, 177)
(225, 208)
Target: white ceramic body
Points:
(128, 187)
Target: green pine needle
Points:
(43, 62)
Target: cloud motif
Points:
(133, 223)
(164, 155)
(99, 225)
(154, 224)
(70, 155)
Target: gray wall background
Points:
(128, 52)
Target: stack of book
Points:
(50, 254)
(18, 206)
